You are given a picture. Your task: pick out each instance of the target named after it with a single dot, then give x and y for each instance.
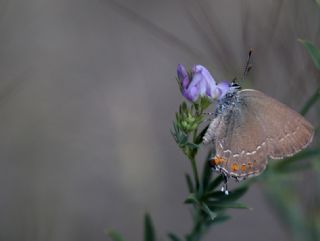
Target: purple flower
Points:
(183, 76)
(201, 84)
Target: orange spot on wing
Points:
(234, 167)
(217, 160)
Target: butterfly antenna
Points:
(248, 65)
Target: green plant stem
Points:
(195, 171)
(197, 230)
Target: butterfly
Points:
(249, 128)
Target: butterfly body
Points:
(249, 128)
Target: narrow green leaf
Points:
(220, 204)
(216, 182)
(310, 102)
(208, 211)
(115, 236)
(191, 145)
(213, 194)
(149, 233)
(236, 193)
(192, 198)
(313, 52)
(232, 196)
(189, 183)
(173, 237)
(183, 138)
(206, 175)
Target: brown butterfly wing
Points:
(257, 128)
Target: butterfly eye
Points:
(235, 85)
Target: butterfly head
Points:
(235, 85)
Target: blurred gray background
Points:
(88, 94)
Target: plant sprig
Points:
(209, 205)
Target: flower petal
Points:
(205, 72)
(191, 94)
(183, 76)
(223, 88)
(196, 79)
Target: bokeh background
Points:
(88, 95)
